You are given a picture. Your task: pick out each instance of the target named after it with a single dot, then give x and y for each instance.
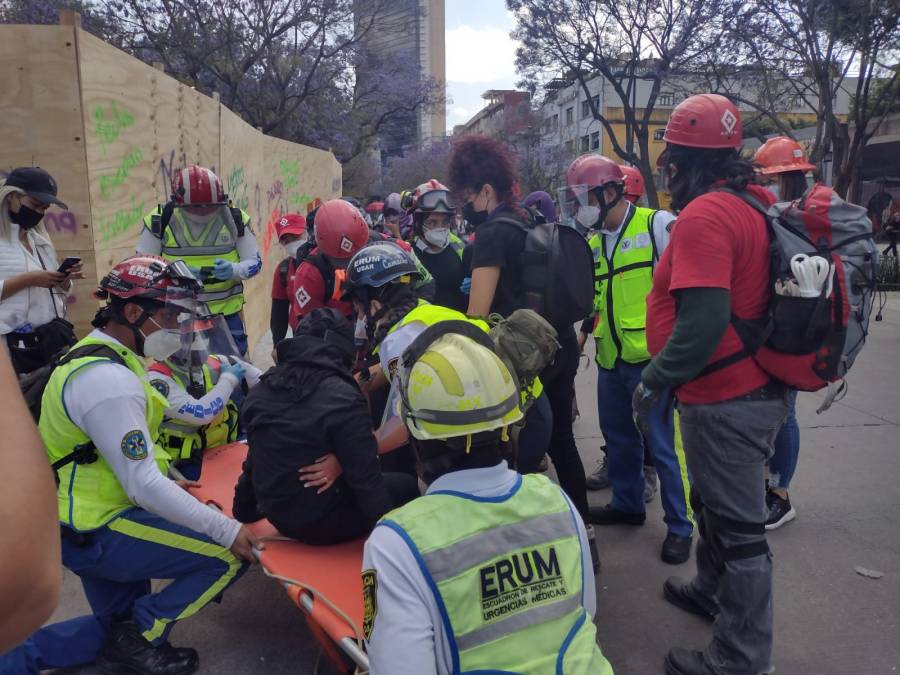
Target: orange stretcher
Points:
(323, 581)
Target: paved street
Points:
(829, 619)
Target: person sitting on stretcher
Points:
(309, 409)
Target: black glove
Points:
(643, 402)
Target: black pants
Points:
(559, 382)
(347, 522)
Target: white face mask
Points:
(438, 236)
(161, 344)
(294, 246)
(588, 216)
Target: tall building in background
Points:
(409, 30)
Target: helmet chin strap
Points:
(136, 331)
(605, 207)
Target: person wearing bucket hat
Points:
(33, 287)
(715, 267)
(438, 582)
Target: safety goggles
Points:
(434, 200)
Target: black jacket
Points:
(306, 407)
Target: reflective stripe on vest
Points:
(430, 314)
(510, 583)
(621, 286)
(89, 495)
(183, 440)
(216, 240)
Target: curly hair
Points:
(476, 160)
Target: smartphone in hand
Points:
(68, 264)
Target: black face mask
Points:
(473, 217)
(26, 218)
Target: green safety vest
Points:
(89, 495)
(185, 441)
(430, 314)
(507, 575)
(217, 240)
(621, 286)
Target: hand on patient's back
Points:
(322, 474)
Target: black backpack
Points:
(34, 384)
(285, 265)
(557, 270)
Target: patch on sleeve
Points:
(392, 368)
(302, 296)
(161, 386)
(370, 601)
(134, 445)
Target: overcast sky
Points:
(480, 55)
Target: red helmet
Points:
(634, 183)
(593, 170)
(705, 121)
(340, 229)
(290, 223)
(430, 197)
(197, 185)
(781, 154)
(147, 276)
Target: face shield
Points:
(202, 214)
(202, 335)
(576, 210)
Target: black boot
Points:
(686, 662)
(681, 594)
(676, 549)
(607, 515)
(126, 651)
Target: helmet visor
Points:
(202, 335)
(571, 199)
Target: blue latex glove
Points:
(466, 285)
(223, 270)
(237, 369)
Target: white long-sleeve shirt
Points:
(201, 411)
(31, 306)
(247, 248)
(408, 635)
(108, 402)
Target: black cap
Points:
(36, 183)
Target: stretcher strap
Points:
(318, 597)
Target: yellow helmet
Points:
(453, 384)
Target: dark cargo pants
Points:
(727, 445)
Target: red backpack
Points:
(809, 342)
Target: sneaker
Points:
(607, 515)
(780, 511)
(599, 480)
(592, 545)
(651, 484)
(126, 651)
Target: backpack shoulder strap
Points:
(746, 197)
(505, 220)
(283, 268)
(86, 452)
(326, 269)
(238, 217)
(160, 221)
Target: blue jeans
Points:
(783, 463)
(115, 568)
(625, 449)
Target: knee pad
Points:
(713, 524)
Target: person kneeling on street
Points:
(488, 572)
(123, 522)
(199, 387)
(308, 409)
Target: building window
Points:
(665, 99)
(595, 140)
(555, 122)
(658, 134)
(586, 107)
(570, 115)
(570, 146)
(585, 143)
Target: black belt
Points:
(767, 392)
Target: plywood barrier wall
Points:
(113, 130)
